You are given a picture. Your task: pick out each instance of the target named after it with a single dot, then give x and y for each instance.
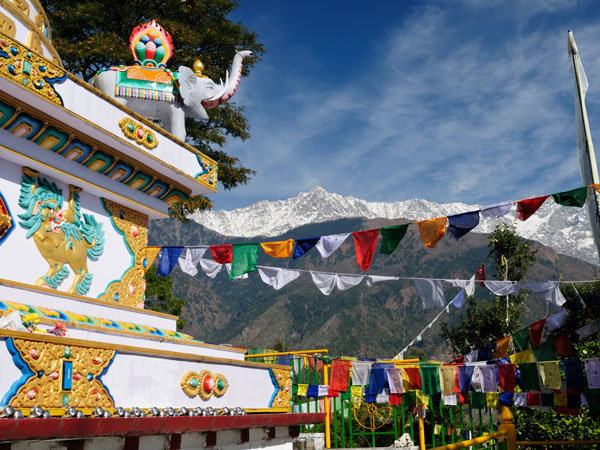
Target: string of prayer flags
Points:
(244, 257)
(304, 245)
(574, 197)
(432, 231)
(223, 254)
(391, 237)
(191, 258)
(326, 281)
(279, 249)
(168, 258)
(327, 245)
(587, 330)
(365, 242)
(431, 292)
(461, 224)
(276, 277)
(526, 208)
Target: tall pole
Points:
(585, 146)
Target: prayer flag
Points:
(587, 330)
(329, 244)
(408, 399)
(526, 356)
(521, 339)
(304, 245)
(168, 259)
(449, 380)
(394, 377)
(550, 374)
(563, 347)
(413, 377)
(432, 230)
(361, 373)
(536, 330)
(548, 291)
(340, 370)
(377, 380)
(391, 237)
(461, 224)
(574, 374)
(574, 197)
(395, 399)
(502, 347)
(365, 243)
(489, 378)
(223, 254)
(450, 400)
(506, 377)
(277, 277)
(302, 388)
(486, 352)
(526, 208)
(323, 390)
(431, 378)
(279, 249)
(592, 370)
(312, 391)
(533, 399)
(372, 279)
(480, 275)
(151, 254)
(529, 377)
(465, 374)
(506, 398)
(422, 398)
(547, 400)
(356, 391)
(244, 257)
(496, 210)
(520, 399)
(477, 400)
(545, 352)
(431, 292)
(556, 320)
(492, 400)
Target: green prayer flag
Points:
(391, 237)
(244, 259)
(430, 377)
(409, 400)
(521, 339)
(593, 399)
(574, 197)
(477, 400)
(294, 389)
(529, 376)
(345, 395)
(548, 400)
(545, 352)
(255, 351)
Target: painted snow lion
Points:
(60, 235)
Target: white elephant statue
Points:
(159, 94)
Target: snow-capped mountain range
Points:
(564, 229)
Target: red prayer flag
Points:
(526, 208)
(311, 364)
(365, 242)
(506, 377)
(533, 398)
(563, 347)
(223, 254)
(395, 399)
(536, 330)
(340, 370)
(414, 377)
(480, 276)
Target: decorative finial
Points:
(198, 67)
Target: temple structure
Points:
(82, 360)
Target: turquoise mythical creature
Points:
(60, 235)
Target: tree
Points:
(159, 296)
(486, 322)
(94, 34)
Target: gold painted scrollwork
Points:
(7, 26)
(284, 381)
(45, 388)
(133, 225)
(204, 384)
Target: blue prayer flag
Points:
(168, 259)
(461, 224)
(304, 245)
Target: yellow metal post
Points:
(421, 427)
(507, 425)
(327, 424)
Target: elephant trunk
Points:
(233, 79)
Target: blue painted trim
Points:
(52, 81)
(12, 225)
(202, 166)
(122, 233)
(23, 367)
(277, 388)
(99, 377)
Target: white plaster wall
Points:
(20, 259)
(144, 381)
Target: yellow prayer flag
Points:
(405, 381)
(280, 249)
(492, 400)
(151, 254)
(432, 230)
(550, 374)
(560, 399)
(422, 398)
(502, 347)
(448, 379)
(302, 388)
(356, 391)
(523, 357)
(437, 429)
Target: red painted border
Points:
(63, 428)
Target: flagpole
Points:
(591, 158)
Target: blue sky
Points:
(468, 101)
